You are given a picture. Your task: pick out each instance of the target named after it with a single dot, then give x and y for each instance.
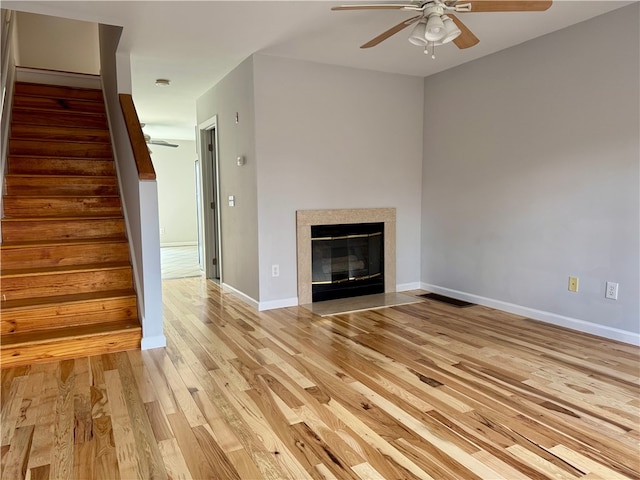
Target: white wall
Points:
(239, 224)
(45, 42)
(139, 197)
(8, 32)
(175, 175)
(333, 137)
(531, 174)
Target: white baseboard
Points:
(283, 303)
(260, 306)
(158, 341)
(53, 77)
(178, 244)
(548, 317)
(243, 296)
(403, 287)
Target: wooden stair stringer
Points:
(66, 280)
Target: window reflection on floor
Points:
(180, 262)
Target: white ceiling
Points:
(196, 43)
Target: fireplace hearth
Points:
(347, 260)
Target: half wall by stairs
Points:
(65, 271)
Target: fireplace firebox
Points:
(347, 260)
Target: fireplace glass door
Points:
(347, 260)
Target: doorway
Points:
(211, 247)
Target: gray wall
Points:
(334, 137)
(239, 224)
(531, 174)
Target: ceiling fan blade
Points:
(508, 5)
(162, 143)
(392, 31)
(374, 6)
(466, 39)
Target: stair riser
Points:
(30, 230)
(58, 91)
(60, 119)
(61, 166)
(73, 134)
(70, 348)
(48, 185)
(43, 285)
(15, 207)
(61, 316)
(63, 255)
(57, 104)
(60, 149)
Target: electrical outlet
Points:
(275, 270)
(612, 291)
(573, 284)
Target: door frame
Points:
(210, 178)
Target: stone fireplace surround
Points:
(305, 219)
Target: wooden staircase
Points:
(65, 273)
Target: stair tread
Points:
(41, 130)
(27, 128)
(63, 218)
(42, 176)
(58, 197)
(26, 303)
(30, 156)
(66, 241)
(47, 141)
(25, 272)
(25, 108)
(69, 333)
(59, 88)
(40, 110)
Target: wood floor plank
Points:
(11, 409)
(106, 457)
(243, 464)
(63, 442)
(40, 473)
(148, 454)
(282, 459)
(197, 463)
(174, 462)
(223, 467)
(417, 391)
(14, 464)
(83, 421)
(125, 442)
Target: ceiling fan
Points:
(437, 25)
(162, 143)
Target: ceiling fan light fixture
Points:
(417, 36)
(435, 30)
(451, 29)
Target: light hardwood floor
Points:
(415, 391)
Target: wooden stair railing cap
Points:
(138, 144)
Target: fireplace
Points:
(347, 260)
(353, 261)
